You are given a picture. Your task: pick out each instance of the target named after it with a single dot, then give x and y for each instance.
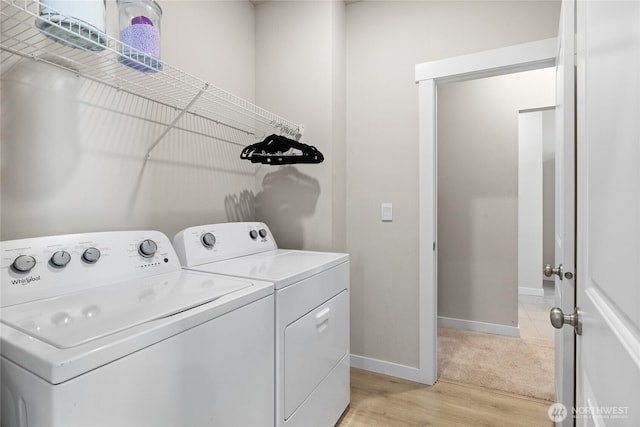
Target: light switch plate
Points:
(386, 212)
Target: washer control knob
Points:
(147, 248)
(253, 234)
(60, 259)
(23, 263)
(208, 240)
(263, 233)
(91, 255)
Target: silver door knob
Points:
(559, 319)
(550, 271)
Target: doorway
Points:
(484, 226)
(528, 56)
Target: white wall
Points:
(536, 194)
(300, 74)
(548, 188)
(73, 150)
(530, 140)
(385, 39)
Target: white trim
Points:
(522, 57)
(470, 325)
(536, 292)
(623, 329)
(383, 367)
(517, 58)
(428, 292)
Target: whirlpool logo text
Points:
(25, 281)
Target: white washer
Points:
(311, 312)
(107, 329)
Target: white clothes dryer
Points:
(311, 313)
(107, 329)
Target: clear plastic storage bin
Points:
(140, 34)
(78, 23)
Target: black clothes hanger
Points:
(275, 150)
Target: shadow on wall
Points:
(26, 124)
(240, 208)
(286, 198)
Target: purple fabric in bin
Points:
(144, 38)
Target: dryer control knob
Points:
(147, 248)
(253, 234)
(23, 263)
(208, 240)
(263, 233)
(91, 255)
(60, 259)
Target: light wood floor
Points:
(380, 400)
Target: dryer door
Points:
(313, 345)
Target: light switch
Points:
(386, 212)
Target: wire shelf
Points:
(101, 62)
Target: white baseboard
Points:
(386, 368)
(536, 292)
(413, 374)
(470, 325)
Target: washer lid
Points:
(280, 266)
(78, 318)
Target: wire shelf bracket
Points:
(174, 121)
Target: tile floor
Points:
(533, 314)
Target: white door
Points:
(565, 210)
(608, 258)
